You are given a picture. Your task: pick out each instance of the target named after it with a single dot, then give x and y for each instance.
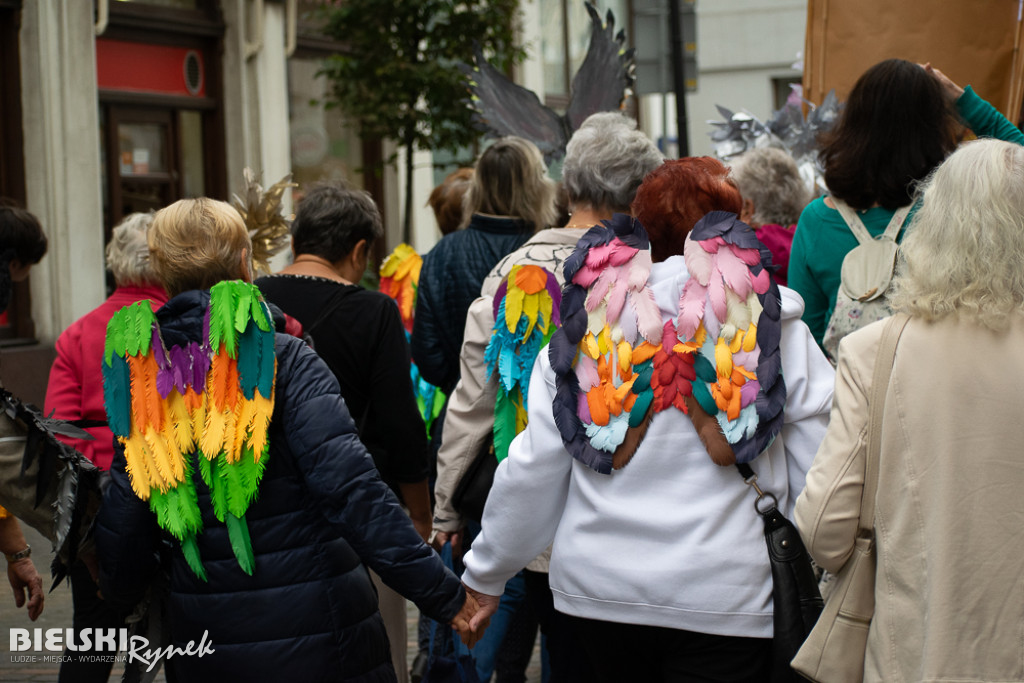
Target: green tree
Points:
(399, 80)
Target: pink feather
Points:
(762, 281)
(621, 253)
(698, 261)
(691, 308)
(648, 317)
(747, 359)
(616, 300)
(586, 372)
(716, 295)
(711, 322)
(735, 272)
(586, 275)
(748, 392)
(599, 290)
(712, 244)
(597, 257)
(639, 270)
(583, 408)
(751, 257)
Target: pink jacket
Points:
(75, 388)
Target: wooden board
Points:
(975, 43)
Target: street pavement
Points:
(57, 614)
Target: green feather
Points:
(242, 301)
(177, 511)
(260, 312)
(643, 377)
(115, 344)
(705, 369)
(240, 487)
(191, 552)
(504, 423)
(640, 407)
(703, 396)
(222, 318)
(241, 545)
(218, 488)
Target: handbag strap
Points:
(857, 226)
(876, 405)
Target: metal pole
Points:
(678, 79)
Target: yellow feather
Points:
(737, 342)
(161, 462)
(750, 338)
(227, 442)
(589, 346)
(199, 426)
(212, 440)
(244, 424)
(264, 408)
(723, 359)
(531, 306)
(178, 423)
(546, 310)
(604, 340)
(136, 464)
(513, 307)
(625, 353)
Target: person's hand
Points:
(462, 620)
(952, 90)
(25, 581)
(488, 605)
(442, 537)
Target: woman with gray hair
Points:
(75, 392)
(949, 473)
(774, 194)
(605, 162)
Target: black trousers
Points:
(90, 611)
(569, 662)
(623, 653)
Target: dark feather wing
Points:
(606, 73)
(504, 108)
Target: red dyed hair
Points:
(677, 194)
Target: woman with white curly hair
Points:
(949, 600)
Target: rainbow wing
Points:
(400, 278)
(526, 314)
(731, 309)
(617, 363)
(206, 405)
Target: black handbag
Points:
(795, 595)
(471, 493)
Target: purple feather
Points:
(200, 366)
(556, 299)
(499, 295)
(748, 392)
(583, 409)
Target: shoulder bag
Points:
(834, 651)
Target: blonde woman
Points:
(307, 611)
(949, 600)
(509, 199)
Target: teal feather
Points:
(640, 406)
(703, 396)
(504, 423)
(117, 389)
(241, 545)
(705, 368)
(643, 371)
(191, 552)
(266, 379)
(250, 348)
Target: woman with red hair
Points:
(658, 559)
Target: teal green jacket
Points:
(822, 239)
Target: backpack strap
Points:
(857, 227)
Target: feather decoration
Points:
(205, 405)
(399, 279)
(264, 220)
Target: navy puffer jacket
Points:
(322, 515)
(450, 280)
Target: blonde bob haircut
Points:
(128, 251)
(963, 254)
(511, 180)
(196, 243)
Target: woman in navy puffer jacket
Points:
(321, 516)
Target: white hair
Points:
(128, 251)
(769, 178)
(606, 160)
(963, 256)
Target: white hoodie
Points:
(671, 539)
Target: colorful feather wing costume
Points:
(526, 314)
(206, 405)
(400, 279)
(718, 361)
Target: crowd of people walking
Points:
(610, 348)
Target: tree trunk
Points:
(407, 224)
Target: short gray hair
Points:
(769, 178)
(332, 218)
(606, 160)
(128, 251)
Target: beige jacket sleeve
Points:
(470, 415)
(827, 512)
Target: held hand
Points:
(442, 537)
(488, 606)
(26, 580)
(462, 620)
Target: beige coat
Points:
(469, 418)
(949, 517)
